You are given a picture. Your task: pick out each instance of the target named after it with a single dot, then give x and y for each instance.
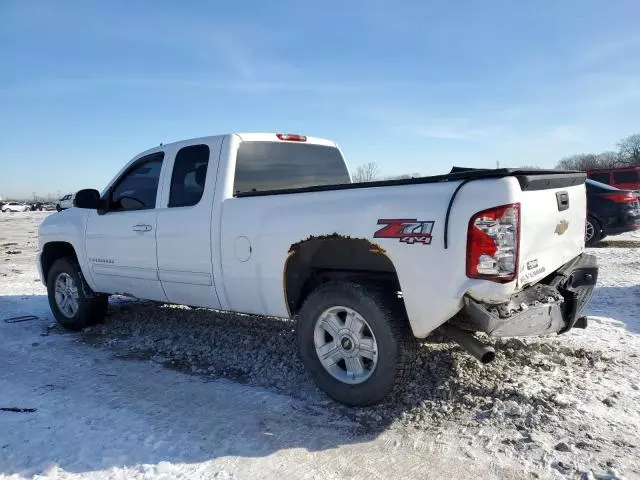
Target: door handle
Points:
(142, 228)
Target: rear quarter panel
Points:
(433, 280)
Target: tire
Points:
(58, 209)
(90, 309)
(594, 226)
(386, 326)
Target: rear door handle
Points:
(142, 228)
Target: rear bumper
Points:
(554, 305)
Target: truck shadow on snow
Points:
(617, 244)
(202, 416)
(446, 384)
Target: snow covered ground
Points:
(171, 392)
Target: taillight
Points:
(492, 244)
(291, 137)
(625, 197)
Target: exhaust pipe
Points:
(484, 353)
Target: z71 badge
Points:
(407, 230)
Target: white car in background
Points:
(15, 207)
(65, 202)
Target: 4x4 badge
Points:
(407, 230)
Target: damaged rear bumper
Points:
(553, 305)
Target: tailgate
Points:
(553, 210)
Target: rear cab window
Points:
(263, 166)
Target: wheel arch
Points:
(321, 259)
(52, 251)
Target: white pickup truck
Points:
(271, 224)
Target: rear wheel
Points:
(355, 341)
(593, 231)
(74, 305)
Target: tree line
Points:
(370, 172)
(627, 155)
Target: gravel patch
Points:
(531, 399)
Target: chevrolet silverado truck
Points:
(272, 225)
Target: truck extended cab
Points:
(270, 224)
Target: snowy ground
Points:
(171, 392)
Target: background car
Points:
(610, 211)
(15, 207)
(625, 178)
(65, 202)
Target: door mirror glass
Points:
(87, 198)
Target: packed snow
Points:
(162, 391)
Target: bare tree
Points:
(610, 159)
(629, 149)
(580, 161)
(590, 161)
(628, 154)
(366, 173)
(403, 176)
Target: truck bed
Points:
(529, 179)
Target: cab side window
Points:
(189, 176)
(137, 188)
(629, 176)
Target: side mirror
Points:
(87, 198)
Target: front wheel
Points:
(355, 341)
(58, 208)
(74, 305)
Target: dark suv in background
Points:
(610, 211)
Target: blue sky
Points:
(414, 86)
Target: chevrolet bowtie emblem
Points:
(562, 227)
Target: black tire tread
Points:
(598, 233)
(395, 318)
(95, 304)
